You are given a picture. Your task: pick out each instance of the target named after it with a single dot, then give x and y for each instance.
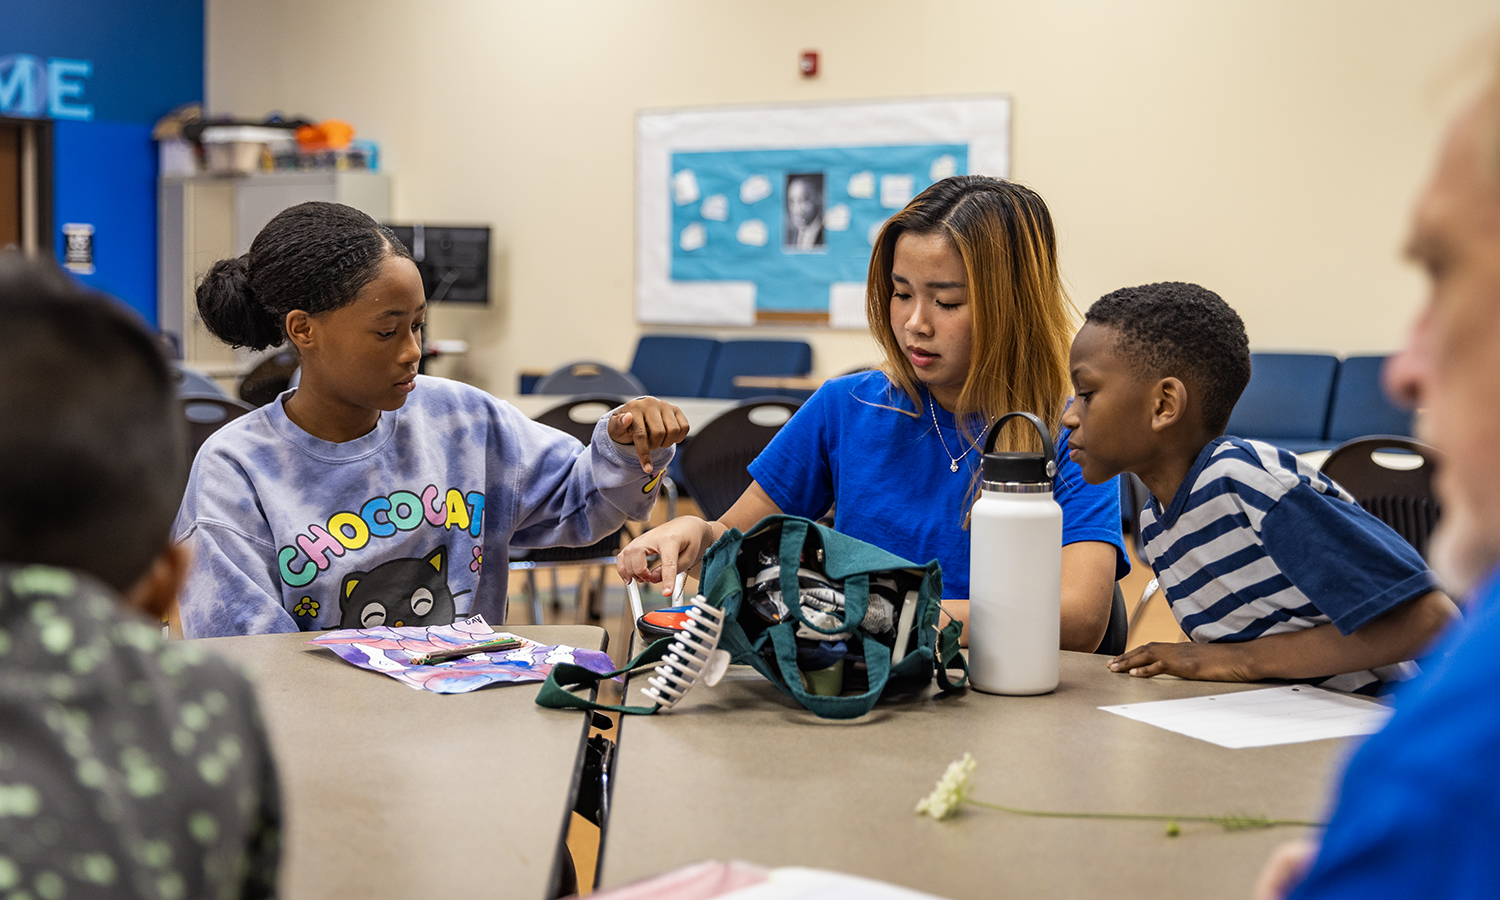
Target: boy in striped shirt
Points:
(1272, 569)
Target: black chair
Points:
(578, 415)
(1133, 497)
(1117, 633)
(575, 416)
(715, 461)
(589, 378)
(268, 378)
(188, 383)
(1400, 497)
(206, 413)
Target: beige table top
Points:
(393, 792)
(739, 771)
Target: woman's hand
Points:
(682, 542)
(649, 424)
(679, 543)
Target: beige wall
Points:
(1268, 150)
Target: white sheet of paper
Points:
(1264, 718)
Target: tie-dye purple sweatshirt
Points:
(409, 525)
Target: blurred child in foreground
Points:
(129, 767)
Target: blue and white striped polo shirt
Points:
(1256, 543)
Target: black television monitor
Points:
(454, 260)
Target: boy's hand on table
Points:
(1317, 652)
(1199, 662)
(649, 424)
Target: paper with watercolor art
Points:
(390, 650)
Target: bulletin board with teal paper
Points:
(768, 215)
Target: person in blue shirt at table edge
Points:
(966, 302)
(370, 495)
(1418, 812)
(1272, 570)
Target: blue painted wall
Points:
(144, 59)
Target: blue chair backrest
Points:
(772, 358)
(1360, 407)
(1287, 397)
(673, 365)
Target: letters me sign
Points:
(33, 88)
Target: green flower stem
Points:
(1228, 823)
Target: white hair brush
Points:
(693, 656)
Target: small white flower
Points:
(951, 791)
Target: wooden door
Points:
(10, 184)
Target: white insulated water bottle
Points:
(1015, 570)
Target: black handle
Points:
(1041, 427)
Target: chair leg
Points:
(556, 600)
(581, 605)
(1140, 605)
(669, 487)
(533, 598)
(596, 602)
(591, 600)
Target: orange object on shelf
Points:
(329, 134)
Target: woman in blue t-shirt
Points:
(965, 300)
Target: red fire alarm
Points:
(808, 65)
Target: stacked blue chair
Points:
(1287, 400)
(766, 358)
(1360, 407)
(673, 365)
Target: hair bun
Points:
(228, 306)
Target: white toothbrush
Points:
(903, 628)
(634, 591)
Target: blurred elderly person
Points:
(1418, 812)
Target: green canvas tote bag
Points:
(862, 622)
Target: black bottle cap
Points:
(1016, 468)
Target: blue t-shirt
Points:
(1418, 814)
(1256, 542)
(859, 441)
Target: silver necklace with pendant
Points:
(931, 408)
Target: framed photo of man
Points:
(803, 214)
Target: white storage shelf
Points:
(203, 219)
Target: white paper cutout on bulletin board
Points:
(768, 214)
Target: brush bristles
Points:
(686, 656)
